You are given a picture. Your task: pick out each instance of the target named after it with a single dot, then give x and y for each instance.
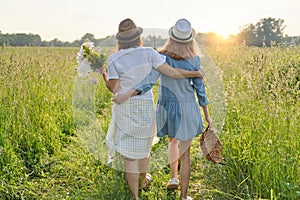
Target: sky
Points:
(68, 20)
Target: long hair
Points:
(178, 50)
(126, 45)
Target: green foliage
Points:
(266, 32)
(42, 157)
(261, 129)
(21, 39)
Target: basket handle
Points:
(207, 128)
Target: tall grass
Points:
(35, 112)
(261, 132)
(42, 156)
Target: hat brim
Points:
(192, 36)
(128, 36)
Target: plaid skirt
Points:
(132, 128)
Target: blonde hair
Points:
(126, 45)
(178, 50)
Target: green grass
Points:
(42, 156)
(261, 131)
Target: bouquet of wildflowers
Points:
(90, 59)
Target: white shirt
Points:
(131, 66)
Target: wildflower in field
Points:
(90, 59)
(94, 80)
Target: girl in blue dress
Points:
(177, 113)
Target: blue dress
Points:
(177, 111)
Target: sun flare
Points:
(224, 34)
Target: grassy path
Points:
(42, 157)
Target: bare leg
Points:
(185, 166)
(132, 176)
(173, 155)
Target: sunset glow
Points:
(69, 20)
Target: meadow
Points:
(42, 155)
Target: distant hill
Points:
(155, 32)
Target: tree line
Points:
(266, 32)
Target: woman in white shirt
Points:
(132, 125)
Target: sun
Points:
(224, 34)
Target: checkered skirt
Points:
(132, 128)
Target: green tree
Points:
(270, 30)
(88, 36)
(265, 32)
(56, 42)
(247, 35)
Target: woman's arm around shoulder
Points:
(167, 70)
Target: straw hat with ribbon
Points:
(128, 31)
(182, 31)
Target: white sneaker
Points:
(173, 184)
(187, 198)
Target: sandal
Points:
(146, 182)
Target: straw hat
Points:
(128, 31)
(182, 31)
